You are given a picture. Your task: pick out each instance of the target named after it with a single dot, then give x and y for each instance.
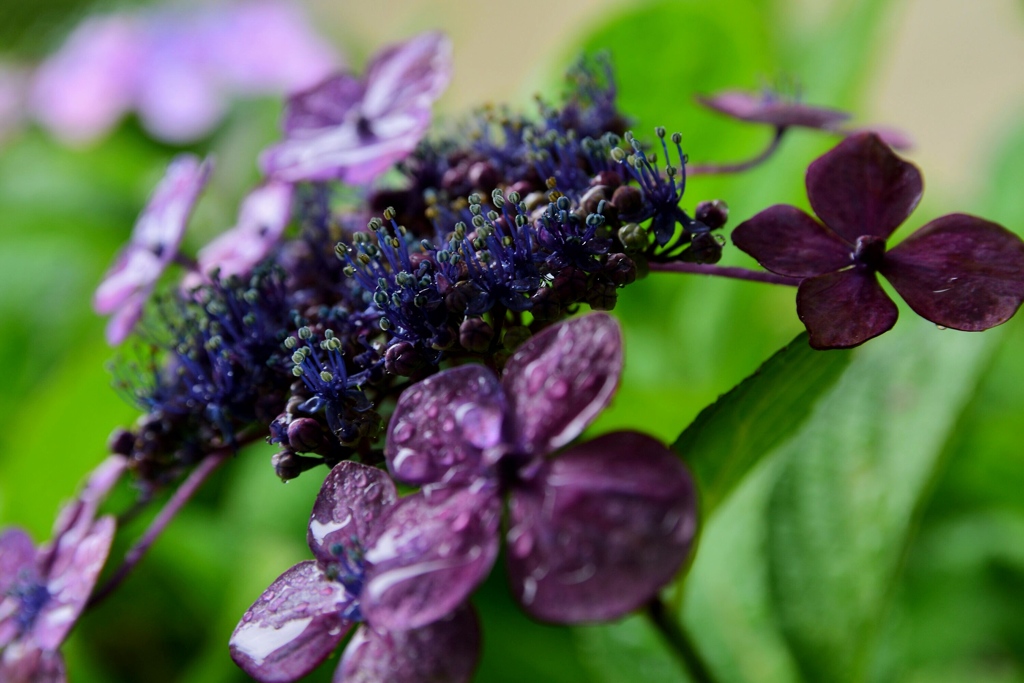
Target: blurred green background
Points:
(881, 539)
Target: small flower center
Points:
(869, 251)
(32, 596)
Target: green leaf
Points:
(843, 511)
(629, 650)
(731, 436)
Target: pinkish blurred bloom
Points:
(262, 219)
(179, 71)
(152, 247)
(44, 590)
(353, 130)
(13, 89)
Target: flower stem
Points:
(679, 641)
(174, 504)
(723, 271)
(740, 166)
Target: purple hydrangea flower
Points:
(957, 271)
(593, 533)
(178, 71)
(352, 129)
(263, 216)
(771, 108)
(44, 590)
(308, 610)
(152, 246)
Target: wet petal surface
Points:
(443, 425)
(844, 309)
(787, 241)
(446, 651)
(292, 627)
(351, 501)
(560, 379)
(429, 554)
(959, 271)
(608, 525)
(861, 187)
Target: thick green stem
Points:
(677, 639)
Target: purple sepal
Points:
(429, 553)
(74, 572)
(350, 503)
(787, 241)
(560, 379)
(603, 529)
(446, 651)
(17, 556)
(25, 663)
(861, 188)
(959, 271)
(844, 309)
(443, 425)
(772, 109)
(292, 627)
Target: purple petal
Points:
(123, 321)
(787, 241)
(442, 426)
(894, 137)
(134, 271)
(607, 526)
(773, 110)
(72, 577)
(162, 223)
(263, 217)
(17, 556)
(445, 651)
(844, 309)
(325, 105)
(26, 663)
(410, 75)
(82, 90)
(861, 187)
(351, 500)
(428, 555)
(179, 99)
(959, 271)
(292, 627)
(560, 379)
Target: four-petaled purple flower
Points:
(957, 271)
(43, 591)
(353, 130)
(308, 610)
(771, 108)
(593, 534)
(264, 215)
(153, 246)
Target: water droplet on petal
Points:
(461, 521)
(403, 432)
(559, 389)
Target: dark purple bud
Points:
(475, 334)
(610, 178)
(713, 213)
(602, 296)
(634, 237)
(443, 339)
(704, 247)
(569, 285)
(593, 197)
(287, 465)
(460, 296)
(628, 200)
(305, 435)
(121, 442)
(543, 305)
(483, 176)
(403, 359)
(523, 187)
(620, 270)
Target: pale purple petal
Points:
(82, 90)
(179, 98)
(26, 663)
(560, 379)
(350, 503)
(17, 556)
(446, 651)
(124, 319)
(959, 271)
(132, 272)
(602, 529)
(264, 215)
(410, 75)
(292, 627)
(72, 577)
(266, 47)
(772, 109)
(844, 309)
(447, 427)
(429, 553)
(787, 241)
(861, 187)
(325, 105)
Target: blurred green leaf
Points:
(630, 650)
(730, 437)
(843, 511)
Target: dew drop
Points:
(940, 327)
(523, 545)
(559, 389)
(536, 376)
(404, 432)
(461, 521)
(432, 411)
